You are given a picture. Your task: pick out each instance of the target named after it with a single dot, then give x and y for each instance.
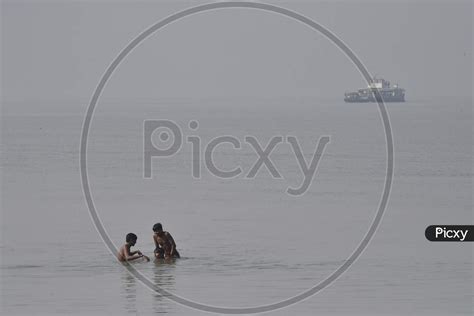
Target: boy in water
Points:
(165, 247)
(124, 253)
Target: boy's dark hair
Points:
(130, 237)
(157, 227)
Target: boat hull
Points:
(372, 100)
(374, 95)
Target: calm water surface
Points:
(244, 242)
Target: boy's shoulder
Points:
(167, 234)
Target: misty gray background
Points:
(56, 50)
(237, 72)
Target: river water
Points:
(244, 242)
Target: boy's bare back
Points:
(122, 253)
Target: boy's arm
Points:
(129, 256)
(157, 245)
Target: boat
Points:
(378, 89)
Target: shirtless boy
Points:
(124, 253)
(165, 247)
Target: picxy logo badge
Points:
(450, 233)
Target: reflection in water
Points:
(134, 295)
(130, 292)
(163, 277)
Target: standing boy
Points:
(165, 247)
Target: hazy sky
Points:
(59, 50)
